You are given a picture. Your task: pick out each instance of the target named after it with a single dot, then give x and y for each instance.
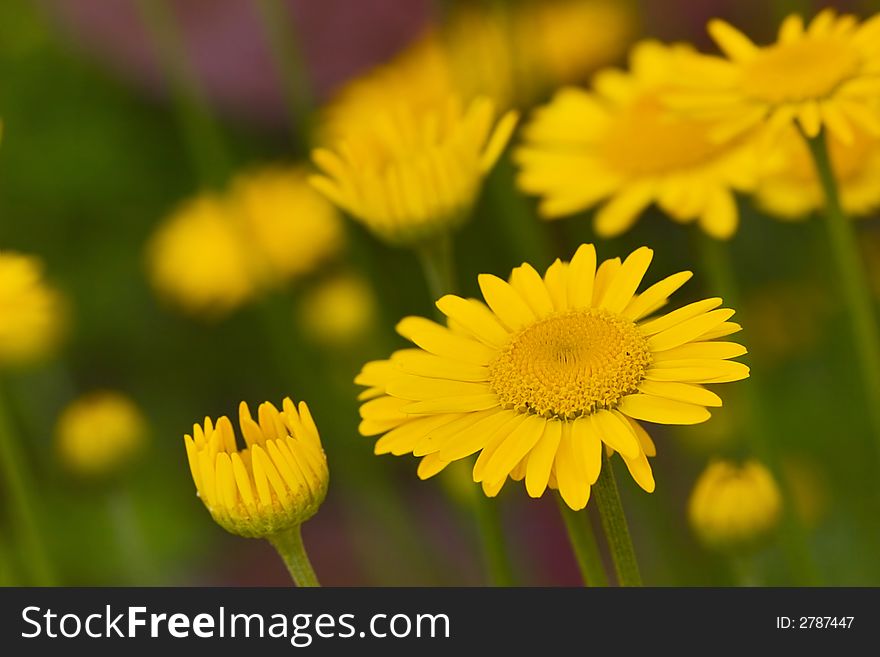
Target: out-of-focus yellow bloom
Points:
(99, 433)
(794, 191)
(292, 227)
(338, 311)
(619, 145)
(32, 316)
(200, 259)
(510, 55)
(824, 74)
(733, 505)
(563, 41)
(416, 174)
(275, 484)
(548, 372)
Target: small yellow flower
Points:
(200, 260)
(553, 367)
(825, 74)
(415, 174)
(338, 311)
(619, 145)
(292, 227)
(275, 484)
(31, 312)
(794, 191)
(99, 433)
(733, 505)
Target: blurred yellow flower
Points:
(510, 55)
(292, 227)
(733, 505)
(32, 316)
(415, 174)
(553, 367)
(825, 74)
(199, 258)
(275, 484)
(99, 433)
(618, 144)
(793, 191)
(338, 311)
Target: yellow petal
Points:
(736, 45)
(627, 280)
(440, 341)
(505, 302)
(570, 477)
(540, 460)
(430, 466)
(688, 330)
(605, 273)
(416, 361)
(679, 315)
(460, 404)
(417, 388)
(556, 279)
(622, 211)
(661, 411)
(587, 441)
(719, 350)
(615, 432)
(581, 275)
(686, 392)
(655, 296)
(475, 317)
(402, 439)
(514, 448)
(479, 435)
(530, 286)
(640, 470)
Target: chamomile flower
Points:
(547, 372)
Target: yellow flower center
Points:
(645, 139)
(799, 71)
(570, 364)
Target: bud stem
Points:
(289, 545)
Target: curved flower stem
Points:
(289, 545)
(286, 50)
(721, 273)
(436, 258)
(854, 283)
(21, 496)
(583, 543)
(616, 529)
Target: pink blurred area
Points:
(227, 46)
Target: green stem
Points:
(436, 258)
(855, 290)
(437, 262)
(492, 540)
(20, 489)
(289, 545)
(616, 529)
(722, 276)
(204, 141)
(287, 52)
(584, 545)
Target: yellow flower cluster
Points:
(32, 315)
(684, 130)
(218, 251)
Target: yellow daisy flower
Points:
(414, 174)
(734, 505)
(618, 144)
(825, 74)
(31, 312)
(276, 483)
(793, 191)
(293, 228)
(200, 261)
(99, 433)
(339, 311)
(547, 370)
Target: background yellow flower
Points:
(618, 145)
(32, 313)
